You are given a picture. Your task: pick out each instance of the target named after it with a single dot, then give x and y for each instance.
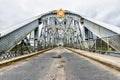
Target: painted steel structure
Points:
(71, 30)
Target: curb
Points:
(98, 59)
(15, 59)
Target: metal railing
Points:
(105, 45)
(19, 50)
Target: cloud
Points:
(16, 11)
(104, 10)
(10, 13)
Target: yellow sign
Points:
(60, 13)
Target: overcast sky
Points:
(13, 12)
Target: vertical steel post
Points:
(95, 45)
(108, 43)
(36, 39)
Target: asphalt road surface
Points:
(57, 64)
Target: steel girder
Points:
(69, 31)
(9, 40)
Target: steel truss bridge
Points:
(60, 45)
(48, 31)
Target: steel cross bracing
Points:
(48, 30)
(60, 31)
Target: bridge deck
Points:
(56, 64)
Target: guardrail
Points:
(103, 45)
(9, 61)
